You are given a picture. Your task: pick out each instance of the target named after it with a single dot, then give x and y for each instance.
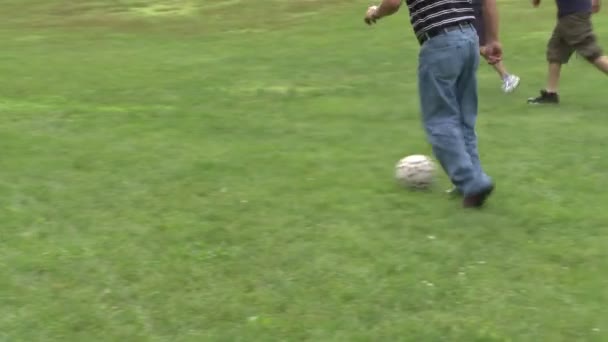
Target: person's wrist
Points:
(491, 41)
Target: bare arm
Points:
(492, 50)
(595, 6)
(490, 15)
(388, 7)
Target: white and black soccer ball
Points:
(416, 171)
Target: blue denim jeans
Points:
(447, 82)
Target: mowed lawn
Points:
(223, 171)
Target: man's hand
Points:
(483, 52)
(371, 15)
(386, 8)
(535, 3)
(492, 52)
(595, 6)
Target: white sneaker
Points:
(510, 83)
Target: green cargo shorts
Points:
(573, 32)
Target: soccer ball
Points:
(415, 171)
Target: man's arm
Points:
(595, 6)
(493, 50)
(490, 16)
(386, 8)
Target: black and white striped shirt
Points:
(426, 15)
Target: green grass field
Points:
(214, 170)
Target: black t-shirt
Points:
(565, 7)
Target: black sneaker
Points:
(544, 98)
(477, 200)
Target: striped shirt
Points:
(426, 15)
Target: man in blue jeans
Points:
(447, 83)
